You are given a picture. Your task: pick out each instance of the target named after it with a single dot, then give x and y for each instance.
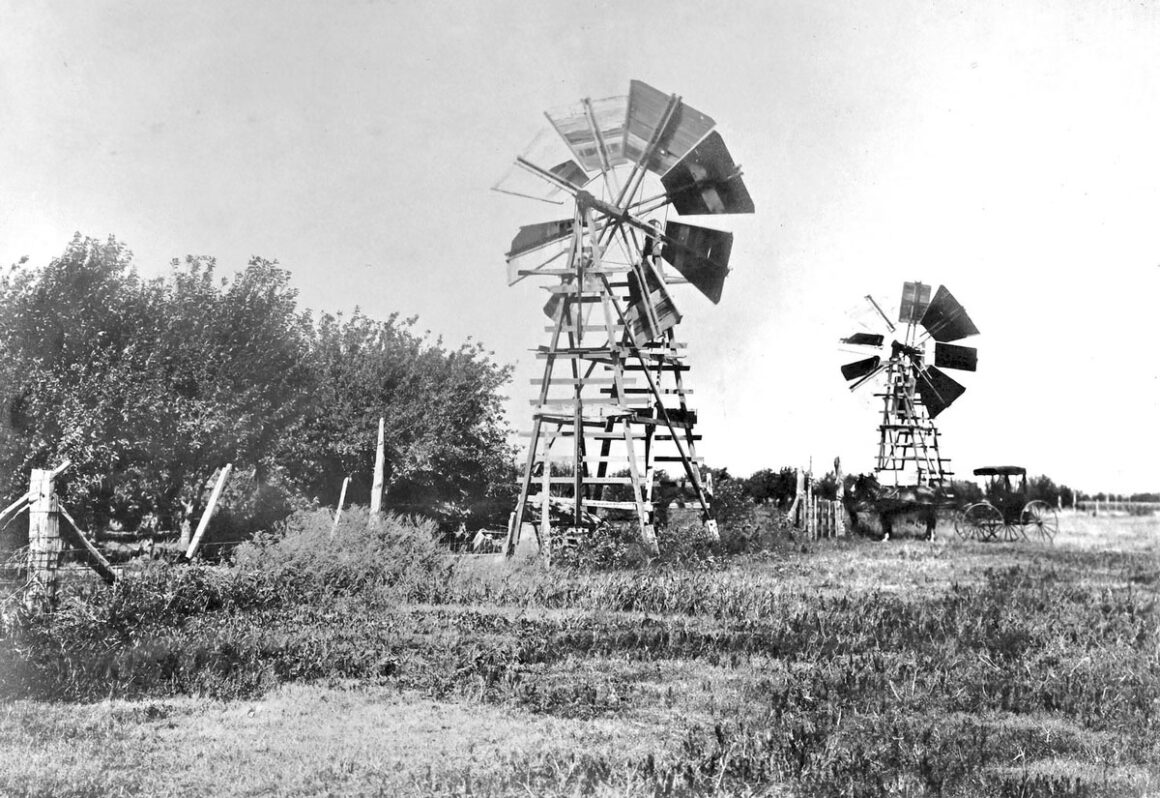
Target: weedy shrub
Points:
(308, 559)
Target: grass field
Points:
(844, 667)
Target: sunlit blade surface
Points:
(534, 236)
(574, 127)
(646, 110)
(938, 390)
(707, 181)
(548, 152)
(915, 298)
(664, 312)
(946, 319)
(864, 339)
(956, 357)
(551, 255)
(860, 368)
(700, 254)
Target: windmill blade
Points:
(946, 319)
(609, 115)
(938, 390)
(700, 254)
(949, 356)
(547, 152)
(545, 245)
(536, 236)
(652, 316)
(864, 339)
(915, 299)
(707, 181)
(646, 111)
(860, 368)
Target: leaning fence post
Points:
(44, 545)
(799, 490)
(204, 523)
(377, 482)
(341, 501)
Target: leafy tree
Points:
(1043, 488)
(966, 492)
(768, 485)
(445, 439)
(148, 386)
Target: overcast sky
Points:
(1009, 150)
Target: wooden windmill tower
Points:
(612, 405)
(913, 393)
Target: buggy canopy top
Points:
(1001, 471)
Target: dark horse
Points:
(890, 504)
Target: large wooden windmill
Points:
(913, 390)
(612, 406)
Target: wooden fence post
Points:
(811, 530)
(840, 513)
(799, 491)
(341, 502)
(44, 544)
(203, 524)
(377, 482)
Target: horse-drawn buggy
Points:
(1006, 514)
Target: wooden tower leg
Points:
(647, 533)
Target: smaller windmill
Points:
(913, 390)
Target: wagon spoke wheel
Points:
(982, 521)
(1011, 532)
(1039, 518)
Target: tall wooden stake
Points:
(840, 512)
(203, 524)
(377, 484)
(44, 545)
(341, 502)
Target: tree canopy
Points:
(149, 386)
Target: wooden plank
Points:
(598, 327)
(657, 367)
(568, 421)
(599, 401)
(567, 433)
(602, 505)
(661, 391)
(377, 483)
(100, 564)
(574, 381)
(567, 480)
(203, 524)
(341, 502)
(592, 458)
(607, 270)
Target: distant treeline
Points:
(778, 487)
(149, 385)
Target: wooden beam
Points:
(99, 563)
(341, 502)
(377, 481)
(203, 524)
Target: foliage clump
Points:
(150, 385)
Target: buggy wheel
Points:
(982, 521)
(1011, 532)
(1039, 518)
